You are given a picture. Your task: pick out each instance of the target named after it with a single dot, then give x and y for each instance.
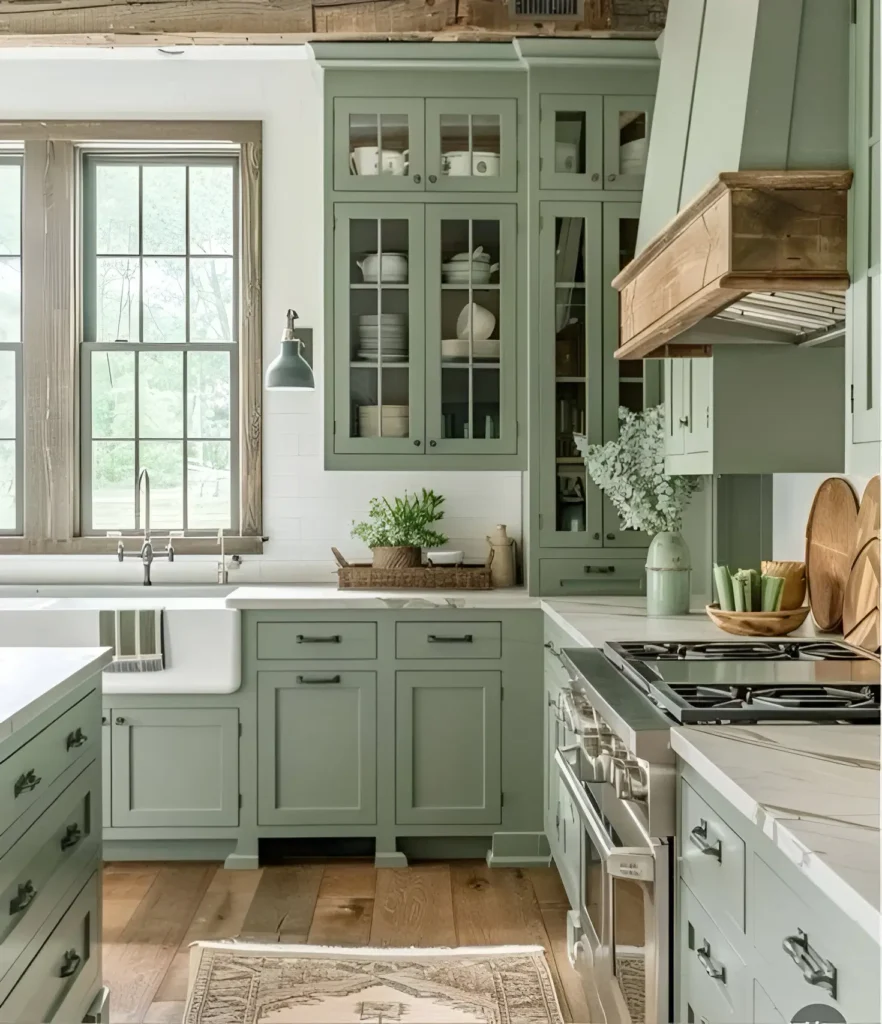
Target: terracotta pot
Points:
(396, 558)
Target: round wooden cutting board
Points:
(868, 516)
(830, 539)
(860, 609)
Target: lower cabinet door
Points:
(175, 766)
(448, 747)
(317, 747)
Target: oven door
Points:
(624, 903)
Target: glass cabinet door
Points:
(627, 121)
(471, 334)
(471, 145)
(378, 145)
(571, 368)
(633, 384)
(378, 318)
(571, 142)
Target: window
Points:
(10, 343)
(159, 362)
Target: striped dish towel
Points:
(136, 638)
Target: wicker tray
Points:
(435, 577)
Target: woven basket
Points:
(434, 577)
(396, 558)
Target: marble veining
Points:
(813, 790)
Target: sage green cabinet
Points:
(450, 144)
(448, 747)
(317, 758)
(593, 142)
(416, 374)
(755, 409)
(864, 309)
(174, 766)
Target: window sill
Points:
(108, 545)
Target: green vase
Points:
(668, 575)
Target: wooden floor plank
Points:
(571, 987)
(220, 915)
(349, 880)
(548, 887)
(283, 905)
(413, 907)
(136, 963)
(341, 922)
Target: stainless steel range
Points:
(618, 768)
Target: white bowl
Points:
(481, 322)
(458, 348)
(445, 557)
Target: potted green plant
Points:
(631, 471)
(396, 531)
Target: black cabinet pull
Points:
(26, 896)
(301, 639)
(76, 738)
(698, 837)
(72, 961)
(604, 570)
(26, 781)
(71, 837)
(610, 536)
(319, 679)
(466, 638)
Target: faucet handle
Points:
(120, 552)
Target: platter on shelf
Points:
(458, 348)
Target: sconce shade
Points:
(289, 371)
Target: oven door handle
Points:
(619, 861)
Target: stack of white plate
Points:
(632, 157)
(390, 329)
(396, 420)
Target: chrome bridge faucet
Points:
(147, 553)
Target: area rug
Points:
(245, 983)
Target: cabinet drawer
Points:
(28, 773)
(598, 574)
(316, 641)
(792, 939)
(714, 982)
(711, 857)
(64, 973)
(455, 639)
(37, 871)
(764, 1010)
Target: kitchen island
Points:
(50, 834)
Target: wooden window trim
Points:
(50, 357)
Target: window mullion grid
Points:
(185, 516)
(185, 474)
(136, 432)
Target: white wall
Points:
(792, 495)
(306, 509)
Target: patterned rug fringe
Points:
(369, 951)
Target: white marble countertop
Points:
(813, 790)
(320, 596)
(33, 678)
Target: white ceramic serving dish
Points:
(365, 161)
(566, 157)
(478, 256)
(390, 267)
(457, 348)
(481, 164)
(481, 321)
(396, 420)
(445, 557)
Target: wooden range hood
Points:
(752, 243)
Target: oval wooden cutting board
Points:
(830, 539)
(868, 516)
(860, 609)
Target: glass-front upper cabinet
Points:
(379, 145)
(471, 145)
(632, 384)
(627, 121)
(571, 370)
(471, 318)
(571, 142)
(379, 328)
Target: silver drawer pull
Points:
(549, 646)
(466, 638)
(26, 781)
(71, 837)
(815, 969)
(711, 966)
(26, 896)
(698, 837)
(76, 738)
(604, 569)
(72, 961)
(301, 639)
(319, 679)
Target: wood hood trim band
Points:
(748, 231)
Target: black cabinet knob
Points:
(610, 536)
(597, 536)
(417, 178)
(611, 177)
(417, 443)
(120, 721)
(595, 177)
(433, 178)
(433, 444)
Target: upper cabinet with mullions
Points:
(425, 145)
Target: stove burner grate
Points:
(747, 650)
(797, 697)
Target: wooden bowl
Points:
(758, 623)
